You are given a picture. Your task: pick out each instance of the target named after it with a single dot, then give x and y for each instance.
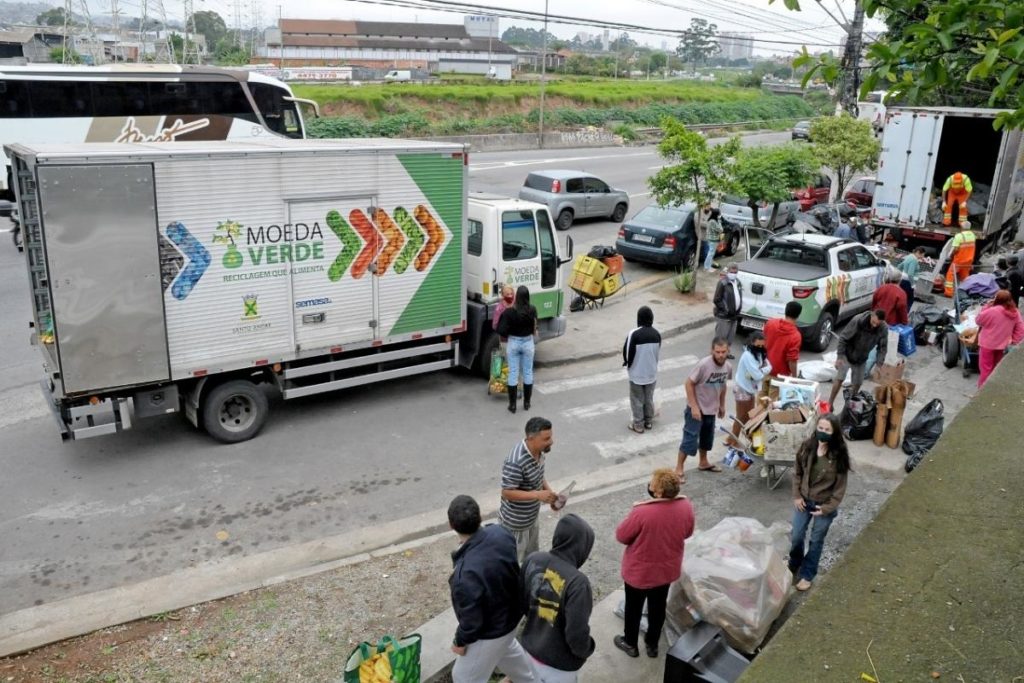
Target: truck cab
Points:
(512, 241)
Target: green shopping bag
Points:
(393, 660)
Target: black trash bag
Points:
(601, 251)
(922, 432)
(576, 304)
(923, 315)
(858, 417)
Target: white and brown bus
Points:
(43, 103)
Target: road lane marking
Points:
(497, 165)
(660, 438)
(21, 404)
(560, 385)
(639, 194)
(621, 405)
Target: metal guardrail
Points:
(654, 130)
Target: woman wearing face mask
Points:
(819, 483)
(753, 368)
(654, 533)
(508, 297)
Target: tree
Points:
(845, 145)
(210, 25)
(59, 56)
(769, 174)
(698, 44)
(229, 53)
(949, 52)
(698, 172)
(52, 17)
(658, 61)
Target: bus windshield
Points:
(140, 103)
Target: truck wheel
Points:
(822, 334)
(483, 358)
(235, 411)
(950, 349)
(732, 244)
(564, 220)
(619, 213)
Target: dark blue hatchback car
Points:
(662, 236)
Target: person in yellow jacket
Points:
(962, 256)
(957, 189)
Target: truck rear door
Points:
(907, 166)
(529, 256)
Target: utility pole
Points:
(850, 63)
(64, 40)
(280, 33)
(115, 15)
(543, 75)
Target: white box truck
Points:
(180, 276)
(921, 148)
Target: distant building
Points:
(380, 44)
(481, 26)
(606, 41)
(735, 45)
(29, 44)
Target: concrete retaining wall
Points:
(506, 142)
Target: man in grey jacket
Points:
(863, 333)
(640, 357)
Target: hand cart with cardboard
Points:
(784, 417)
(596, 278)
(960, 337)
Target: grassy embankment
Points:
(409, 109)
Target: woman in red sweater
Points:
(654, 533)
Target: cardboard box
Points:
(884, 373)
(791, 416)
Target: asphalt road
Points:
(100, 513)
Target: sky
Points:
(756, 17)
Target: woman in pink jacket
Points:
(1001, 327)
(654, 533)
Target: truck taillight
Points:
(622, 233)
(803, 291)
(670, 242)
(556, 186)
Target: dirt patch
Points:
(302, 630)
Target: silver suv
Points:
(574, 194)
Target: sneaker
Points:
(620, 642)
(652, 651)
(802, 585)
(635, 428)
(648, 425)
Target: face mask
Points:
(730, 276)
(823, 436)
(650, 492)
(509, 299)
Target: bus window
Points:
(279, 114)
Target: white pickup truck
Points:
(833, 278)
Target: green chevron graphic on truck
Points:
(438, 300)
(397, 241)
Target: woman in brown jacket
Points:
(819, 483)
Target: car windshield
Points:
(734, 200)
(799, 254)
(662, 218)
(803, 124)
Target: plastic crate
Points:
(590, 266)
(581, 282)
(612, 284)
(907, 339)
(615, 263)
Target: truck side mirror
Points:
(568, 251)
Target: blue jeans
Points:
(712, 252)
(805, 564)
(520, 355)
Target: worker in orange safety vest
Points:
(962, 256)
(957, 189)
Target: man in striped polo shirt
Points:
(524, 488)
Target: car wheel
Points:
(732, 245)
(950, 349)
(619, 213)
(564, 220)
(821, 337)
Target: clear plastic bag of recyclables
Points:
(735, 575)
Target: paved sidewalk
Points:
(605, 328)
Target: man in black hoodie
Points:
(558, 602)
(485, 597)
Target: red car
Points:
(861, 192)
(817, 193)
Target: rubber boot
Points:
(527, 395)
(513, 391)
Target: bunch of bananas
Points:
(376, 669)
